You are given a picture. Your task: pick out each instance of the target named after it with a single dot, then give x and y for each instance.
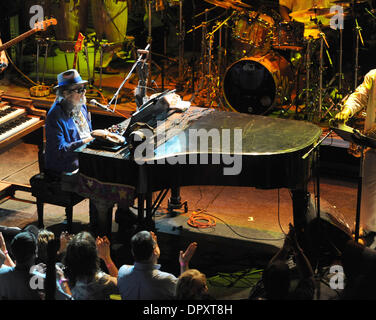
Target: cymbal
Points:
(229, 4)
(220, 3)
(349, 2)
(241, 4)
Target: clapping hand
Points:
(3, 246)
(103, 248)
(65, 237)
(185, 257)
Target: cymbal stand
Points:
(340, 73)
(213, 79)
(179, 86)
(358, 31)
(308, 65)
(335, 103)
(322, 35)
(321, 68)
(204, 58)
(149, 41)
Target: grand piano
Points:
(270, 153)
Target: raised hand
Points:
(103, 248)
(185, 257)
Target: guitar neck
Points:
(75, 60)
(17, 39)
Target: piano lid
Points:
(259, 135)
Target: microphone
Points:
(102, 106)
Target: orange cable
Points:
(196, 218)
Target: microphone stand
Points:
(128, 76)
(352, 135)
(358, 36)
(317, 167)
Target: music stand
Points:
(354, 136)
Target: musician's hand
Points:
(87, 140)
(344, 114)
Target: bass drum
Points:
(256, 84)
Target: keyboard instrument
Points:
(18, 117)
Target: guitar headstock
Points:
(43, 25)
(78, 45)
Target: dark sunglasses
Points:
(78, 90)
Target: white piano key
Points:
(13, 114)
(18, 128)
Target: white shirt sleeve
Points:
(359, 99)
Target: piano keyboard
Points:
(8, 113)
(18, 118)
(13, 126)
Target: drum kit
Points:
(262, 61)
(270, 62)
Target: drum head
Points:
(249, 87)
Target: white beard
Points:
(77, 107)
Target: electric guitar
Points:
(78, 48)
(38, 26)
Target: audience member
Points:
(44, 237)
(3, 59)
(192, 285)
(2, 258)
(23, 281)
(104, 253)
(359, 264)
(144, 280)
(4, 252)
(82, 269)
(278, 277)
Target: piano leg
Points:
(144, 203)
(140, 208)
(149, 206)
(144, 195)
(101, 218)
(40, 209)
(175, 200)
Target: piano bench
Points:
(47, 190)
